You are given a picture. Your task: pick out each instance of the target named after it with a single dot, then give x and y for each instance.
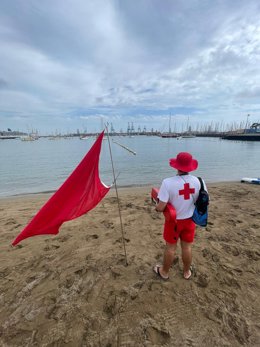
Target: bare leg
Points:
(186, 258)
(168, 258)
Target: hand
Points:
(160, 206)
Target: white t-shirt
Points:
(181, 192)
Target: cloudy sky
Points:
(67, 64)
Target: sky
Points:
(77, 64)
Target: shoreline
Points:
(120, 188)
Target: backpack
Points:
(200, 214)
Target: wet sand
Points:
(74, 289)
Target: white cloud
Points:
(64, 63)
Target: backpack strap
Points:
(201, 183)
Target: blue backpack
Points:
(200, 214)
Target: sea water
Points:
(43, 165)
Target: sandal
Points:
(190, 273)
(156, 269)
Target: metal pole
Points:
(128, 149)
(119, 210)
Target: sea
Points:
(43, 165)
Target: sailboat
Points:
(27, 138)
(169, 134)
(188, 134)
(84, 137)
(32, 136)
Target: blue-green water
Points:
(43, 165)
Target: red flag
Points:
(80, 193)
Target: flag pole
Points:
(128, 149)
(119, 210)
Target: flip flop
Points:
(156, 270)
(191, 271)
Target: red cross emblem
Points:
(186, 191)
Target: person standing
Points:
(181, 191)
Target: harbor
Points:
(235, 131)
(42, 165)
(250, 134)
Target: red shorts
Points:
(184, 229)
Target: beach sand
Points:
(74, 289)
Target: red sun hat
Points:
(184, 162)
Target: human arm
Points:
(163, 198)
(160, 206)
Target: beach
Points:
(75, 289)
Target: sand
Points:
(74, 289)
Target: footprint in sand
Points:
(254, 226)
(155, 216)
(11, 221)
(254, 255)
(237, 326)
(5, 272)
(202, 280)
(121, 261)
(235, 251)
(239, 221)
(80, 271)
(215, 257)
(116, 270)
(120, 240)
(50, 247)
(208, 254)
(139, 284)
(107, 224)
(125, 338)
(63, 238)
(155, 333)
(205, 253)
(157, 336)
(232, 222)
(255, 214)
(189, 342)
(93, 237)
(113, 304)
(113, 200)
(229, 280)
(16, 226)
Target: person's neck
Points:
(182, 173)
